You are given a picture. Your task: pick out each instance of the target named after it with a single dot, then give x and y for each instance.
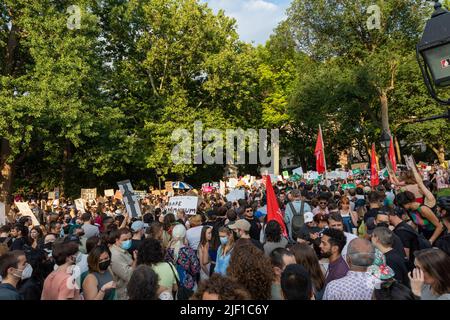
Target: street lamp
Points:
(433, 54)
(385, 141)
(159, 173)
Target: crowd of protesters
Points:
(389, 242)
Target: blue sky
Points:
(256, 19)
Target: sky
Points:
(256, 19)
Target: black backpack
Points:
(422, 242)
(298, 220)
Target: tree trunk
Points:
(7, 171)
(439, 151)
(384, 112)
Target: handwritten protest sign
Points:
(186, 203)
(109, 193)
(141, 194)
(89, 194)
(79, 204)
(2, 214)
(235, 195)
(168, 186)
(25, 210)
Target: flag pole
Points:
(324, 158)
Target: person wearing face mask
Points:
(13, 268)
(224, 252)
(61, 284)
(99, 284)
(122, 263)
(138, 228)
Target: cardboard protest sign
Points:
(186, 203)
(79, 204)
(89, 194)
(51, 195)
(298, 171)
(235, 195)
(168, 186)
(109, 193)
(130, 198)
(2, 214)
(118, 195)
(25, 210)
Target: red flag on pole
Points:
(392, 156)
(273, 210)
(320, 153)
(374, 179)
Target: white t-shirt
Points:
(193, 237)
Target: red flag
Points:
(374, 179)
(273, 210)
(392, 156)
(320, 153)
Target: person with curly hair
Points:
(252, 269)
(143, 285)
(218, 287)
(151, 253)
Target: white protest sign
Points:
(186, 203)
(235, 195)
(298, 171)
(232, 182)
(109, 193)
(79, 204)
(130, 198)
(343, 175)
(313, 175)
(141, 194)
(222, 187)
(25, 210)
(2, 214)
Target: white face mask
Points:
(27, 272)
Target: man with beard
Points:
(331, 245)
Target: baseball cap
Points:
(240, 224)
(309, 217)
(138, 226)
(72, 238)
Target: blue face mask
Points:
(224, 240)
(126, 245)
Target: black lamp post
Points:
(385, 141)
(159, 173)
(433, 55)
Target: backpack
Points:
(422, 242)
(298, 220)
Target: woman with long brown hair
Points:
(306, 256)
(203, 252)
(430, 280)
(349, 217)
